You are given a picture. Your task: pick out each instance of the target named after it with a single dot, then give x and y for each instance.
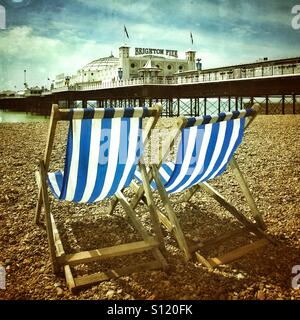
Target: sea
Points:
(14, 117)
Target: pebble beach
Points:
(269, 157)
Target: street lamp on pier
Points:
(25, 79)
(198, 64)
(67, 81)
(120, 73)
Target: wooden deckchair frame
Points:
(171, 222)
(59, 258)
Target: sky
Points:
(49, 37)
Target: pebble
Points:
(260, 295)
(110, 294)
(27, 261)
(42, 270)
(240, 276)
(7, 262)
(59, 291)
(263, 275)
(57, 284)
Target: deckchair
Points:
(104, 148)
(207, 145)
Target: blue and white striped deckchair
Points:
(104, 147)
(207, 145)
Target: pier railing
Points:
(121, 83)
(205, 76)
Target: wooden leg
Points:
(189, 193)
(135, 188)
(245, 189)
(163, 219)
(69, 278)
(140, 193)
(171, 215)
(49, 228)
(50, 139)
(130, 212)
(38, 208)
(139, 227)
(152, 208)
(113, 203)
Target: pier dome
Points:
(101, 63)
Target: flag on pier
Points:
(125, 30)
(192, 40)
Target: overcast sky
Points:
(48, 37)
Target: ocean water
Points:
(14, 117)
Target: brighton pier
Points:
(188, 90)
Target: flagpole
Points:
(125, 33)
(192, 40)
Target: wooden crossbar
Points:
(215, 241)
(232, 255)
(108, 252)
(81, 282)
(64, 114)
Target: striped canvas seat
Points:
(206, 146)
(101, 155)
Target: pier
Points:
(278, 94)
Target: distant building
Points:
(7, 93)
(152, 64)
(34, 91)
(60, 80)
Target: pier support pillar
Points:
(294, 104)
(178, 107)
(267, 104)
(236, 103)
(205, 105)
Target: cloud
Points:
(48, 38)
(42, 57)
